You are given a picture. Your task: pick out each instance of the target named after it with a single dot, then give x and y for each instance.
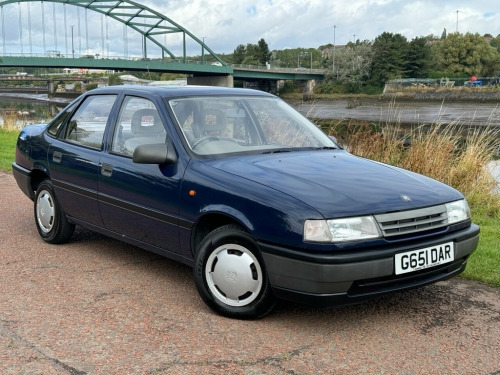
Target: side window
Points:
(86, 126)
(139, 123)
(56, 124)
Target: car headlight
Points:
(457, 211)
(341, 230)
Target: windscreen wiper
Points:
(326, 148)
(277, 151)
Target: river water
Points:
(417, 112)
(29, 109)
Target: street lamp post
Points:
(72, 42)
(305, 54)
(333, 53)
(203, 51)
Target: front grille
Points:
(413, 221)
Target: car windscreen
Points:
(238, 124)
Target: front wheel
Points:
(230, 274)
(50, 219)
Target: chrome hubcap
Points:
(45, 211)
(234, 275)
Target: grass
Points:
(484, 263)
(8, 140)
(437, 151)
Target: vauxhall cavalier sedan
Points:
(237, 184)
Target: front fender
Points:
(229, 211)
(267, 214)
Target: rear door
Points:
(140, 201)
(74, 158)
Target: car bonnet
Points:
(338, 184)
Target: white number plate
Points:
(424, 258)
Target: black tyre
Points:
(230, 274)
(50, 219)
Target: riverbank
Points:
(450, 95)
(458, 95)
(35, 97)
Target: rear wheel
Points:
(50, 219)
(230, 274)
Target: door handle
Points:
(57, 156)
(106, 169)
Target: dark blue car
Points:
(244, 189)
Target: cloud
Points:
(224, 24)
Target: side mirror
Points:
(157, 153)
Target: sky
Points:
(310, 23)
(225, 24)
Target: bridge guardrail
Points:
(278, 69)
(169, 60)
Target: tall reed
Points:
(12, 121)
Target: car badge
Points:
(405, 198)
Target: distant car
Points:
(240, 186)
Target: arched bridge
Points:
(158, 44)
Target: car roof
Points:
(180, 91)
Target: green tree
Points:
(418, 58)
(263, 53)
(465, 55)
(252, 55)
(389, 58)
(495, 42)
(114, 80)
(239, 54)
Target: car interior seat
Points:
(147, 128)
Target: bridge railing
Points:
(51, 54)
(277, 69)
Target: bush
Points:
(288, 87)
(91, 86)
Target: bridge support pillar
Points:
(51, 88)
(225, 81)
(310, 85)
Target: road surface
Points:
(97, 306)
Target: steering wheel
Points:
(207, 138)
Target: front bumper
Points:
(330, 280)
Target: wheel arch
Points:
(213, 219)
(37, 176)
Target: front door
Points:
(139, 201)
